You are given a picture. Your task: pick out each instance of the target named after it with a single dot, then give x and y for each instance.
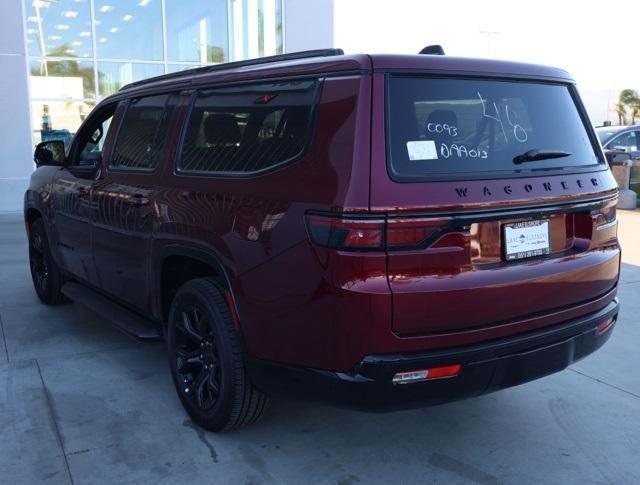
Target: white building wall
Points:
(16, 151)
(308, 24)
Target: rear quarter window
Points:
(476, 128)
(143, 134)
(248, 129)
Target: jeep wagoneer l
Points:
(377, 231)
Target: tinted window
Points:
(440, 128)
(92, 137)
(248, 129)
(606, 134)
(626, 141)
(143, 133)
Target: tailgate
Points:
(461, 165)
(463, 278)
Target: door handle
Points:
(137, 200)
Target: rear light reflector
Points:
(606, 325)
(427, 374)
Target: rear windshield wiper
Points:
(534, 155)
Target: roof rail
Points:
(232, 65)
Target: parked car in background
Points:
(377, 231)
(62, 135)
(621, 138)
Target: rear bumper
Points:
(486, 368)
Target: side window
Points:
(91, 138)
(247, 129)
(627, 142)
(143, 132)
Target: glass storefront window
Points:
(113, 75)
(181, 67)
(59, 28)
(58, 120)
(127, 29)
(256, 28)
(198, 33)
(81, 51)
(65, 79)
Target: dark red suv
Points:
(376, 231)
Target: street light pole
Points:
(489, 34)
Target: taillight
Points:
(412, 233)
(346, 234)
(605, 224)
(606, 215)
(376, 234)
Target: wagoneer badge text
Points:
(528, 187)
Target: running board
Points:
(127, 321)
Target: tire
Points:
(45, 273)
(206, 357)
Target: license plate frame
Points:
(525, 239)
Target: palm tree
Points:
(635, 111)
(622, 113)
(628, 96)
(628, 101)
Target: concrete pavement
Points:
(81, 403)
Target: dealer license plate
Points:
(525, 239)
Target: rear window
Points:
(472, 128)
(247, 129)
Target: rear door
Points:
(123, 199)
(492, 191)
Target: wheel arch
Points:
(31, 214)
(181, 263)
(34, 210)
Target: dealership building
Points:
(59, 58)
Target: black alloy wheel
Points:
(197, 361)
(45, 274)
(39, 268)
(206, 357)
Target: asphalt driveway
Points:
(82, 403)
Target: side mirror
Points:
(616, 157)
(49, 153)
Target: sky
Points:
(597, 42)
